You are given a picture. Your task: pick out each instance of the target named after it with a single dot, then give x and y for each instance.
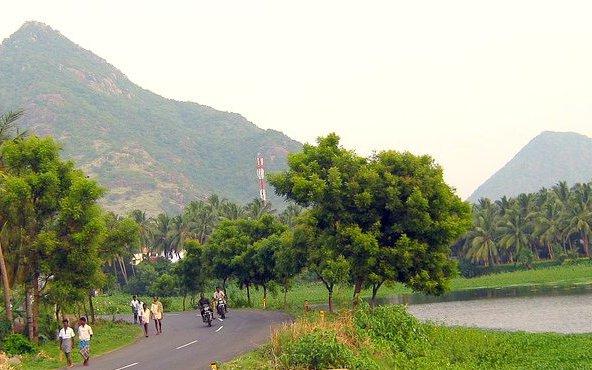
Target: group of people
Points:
(219, 296)
(143, 314)
(66, 337)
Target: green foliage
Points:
(391, 217)
(5, 329)
(165, 285)
(17, 344)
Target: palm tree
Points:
(579, 215)
(290, 214)
(258, 208)
(8, 131)
(514, 233)
(231, 211)
(480, 243)
(200, 218)
(163, 227)
(549, 226)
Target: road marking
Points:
(185, 345)
(217, 330)
(126, 366)
(173, 314)
(220, 319)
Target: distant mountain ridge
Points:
(150, 152)
(547, 159)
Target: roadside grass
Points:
(390, 338)
(107, 337)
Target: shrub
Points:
(393, 326)
(18, 344)
(5, 328)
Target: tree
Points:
(123, 239)
(52, 206)
(363, 208)
(481, 244)
(191, 271)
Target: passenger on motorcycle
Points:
(220, 296)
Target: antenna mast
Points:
(261, 178)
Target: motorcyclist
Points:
(203, 302)
(220, 296)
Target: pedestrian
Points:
(84, 334)
(135, 304)
(66, 337)
(157, 313)
(145, 318)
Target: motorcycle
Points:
(207, 315)
(221, 308)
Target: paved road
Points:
(561, 314)
(187, 344)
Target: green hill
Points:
(547, 159)
(151, 152)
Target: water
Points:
(533, 309)
(489, 293)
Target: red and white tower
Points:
(261, 178)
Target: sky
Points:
(468, 82)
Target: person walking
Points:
(85, 333)
(157, 314)
(136, 308)
(145, 318)
(66, 337)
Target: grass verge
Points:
(389, 338)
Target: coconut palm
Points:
(258, 208)
(514, 233)
(480, 244)
(549, 224)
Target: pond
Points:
(534, 309)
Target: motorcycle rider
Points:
(203, 301)
(219, 295)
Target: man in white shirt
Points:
(84, 334)
(136, 308)
(66, 337)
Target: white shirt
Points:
(136, 305)
(219, 295)
(84, 332)
(66, 334)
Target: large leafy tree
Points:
(393, 207)
(52, 206)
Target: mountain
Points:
(150, 152)
(547, 159)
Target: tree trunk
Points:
(357, 289)
(331, 299)
(224, 285)
(29, 311)
(375, 288)
(35, 307)
(285, 297)
(264, 296)
(184, 298)
(6, 287)
(248, 296)
(586, 245)
(123, 269)
(550, 250)
(91, 307)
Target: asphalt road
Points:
(186, 343)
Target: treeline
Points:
(552, 223)
(354, 220)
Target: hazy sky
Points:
(469, 82)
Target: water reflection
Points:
(489, 293)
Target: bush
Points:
(5, 329)
(17, 344)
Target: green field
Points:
(107, 337)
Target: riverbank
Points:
(107, 337)
(391, 338)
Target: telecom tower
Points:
(261, 178)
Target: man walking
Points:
(66, 337)
(135, 304)
(157, 314)
(84, 334)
